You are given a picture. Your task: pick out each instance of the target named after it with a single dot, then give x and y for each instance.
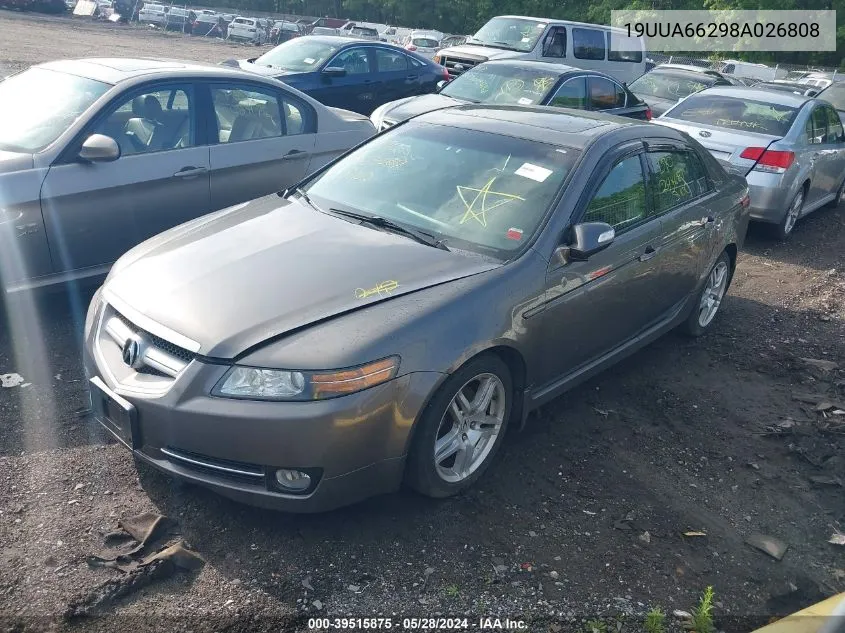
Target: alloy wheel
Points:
(714, 290)
(793, 212)
(469, 427)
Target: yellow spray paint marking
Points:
(541, 84)
(385, 287)
(485, 200)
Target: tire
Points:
(468, 447)
(709, 298)
(839, 195)
(790, 218)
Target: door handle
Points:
(650, 252)
(294, 153)
(411, 77)
(190, 172)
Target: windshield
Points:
(501, 84)
(362, 31)
(516, 34)
(736, 114)
(666, 84)
(478, 191)
(299, 55)
(37, 105)
(835, 95)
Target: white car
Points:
(247, 30)
(424, 43)
(153, 14)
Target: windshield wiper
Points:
(423, 237)
(301, 193)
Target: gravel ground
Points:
(583, 516)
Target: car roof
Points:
(116, 70)
(576, 129)
(775, 97)
(554, 21)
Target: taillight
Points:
(648, 114)
(773, 161)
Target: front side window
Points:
(605, 94)
(676, 178)
(572, 94)
(153, 121)
(355, 61)
(37, 105)
(554, 44)
(389, 61)
(501, 84)
(517, 34)
(301, 54)
(620, 200)
(479, 191)
(245, 113)
(588, 43)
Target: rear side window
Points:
(605, 94)
(834, 126)
(736, 114)
(390, 61)
(676, 177)
(620, 200)
(624, 49)
(816, 127)
(572, 94)
(588, 43)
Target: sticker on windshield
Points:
(514, 234)
(534, 172)
(309, 60)
(524, 101)
(526, 39)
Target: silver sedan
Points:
(790, 148)
(98, 155)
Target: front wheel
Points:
(710, 297)
(461, 429)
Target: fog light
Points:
(294, 480)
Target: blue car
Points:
(346, 73)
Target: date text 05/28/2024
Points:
(416, 624)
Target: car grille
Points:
(456, 65)
(223, 468)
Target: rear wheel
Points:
(793, 212)
(710, 297)
(462, 428)
(837, 200)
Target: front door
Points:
(94, 212)
(596, 305)
(357, 89)
(262, 140)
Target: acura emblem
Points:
(131, 352)
(705, 134)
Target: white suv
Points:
(248, 30)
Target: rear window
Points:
(666, 84)
(362, 31)
(244, 21)
(736, 114)
(424, 42)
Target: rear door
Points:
(816, 133)
(357, 89)
(396, 76)
(834, 152)
(262, 140)
(95, 212)
(683, 198)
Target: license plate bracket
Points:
(116, 414)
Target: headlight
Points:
(255, 383)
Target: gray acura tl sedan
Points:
(389, 318)
(97, 155)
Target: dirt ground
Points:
(583, 517)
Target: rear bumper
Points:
(770, 196)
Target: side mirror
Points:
(334, 71)
(587, 239)
(99, 148)
(442, 84)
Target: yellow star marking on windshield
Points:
(541, 84)
(485, 200)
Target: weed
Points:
(655, 621)
(451, 591)
(702, 615)
(595, 626)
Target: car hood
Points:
(412, 106)
(658, 106)
(14, 161)
(271, 266)
(480, 53)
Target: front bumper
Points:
(353, 446)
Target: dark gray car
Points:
(97, 155)
(390, 319)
